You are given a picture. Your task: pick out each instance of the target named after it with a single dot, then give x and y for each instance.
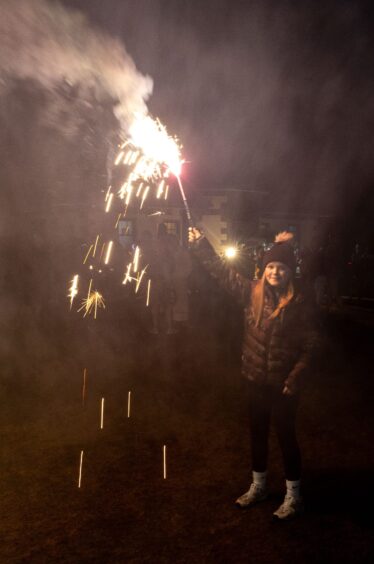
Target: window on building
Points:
(172, 227)
(126, 228)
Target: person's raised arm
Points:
(220, 268)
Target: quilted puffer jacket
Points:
(278, 351)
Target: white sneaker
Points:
(254, 495)
(291, 507)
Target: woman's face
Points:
(277, 274)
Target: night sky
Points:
(273, 96)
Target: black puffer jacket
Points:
(279, 350)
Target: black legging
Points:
(264, 402)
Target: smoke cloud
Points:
(46, 43)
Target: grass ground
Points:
(187, 394)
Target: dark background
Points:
(264, 95)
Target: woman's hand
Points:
(194, 234)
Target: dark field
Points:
(187, 393)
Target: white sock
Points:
(293, 488)
(259, 478)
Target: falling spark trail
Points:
(119, 158)
(80, 469)
(117, 222)
(95, 247)
(102, 414)
(73, 289)
(138, 282)
(145, 194)
(108, 252)
(109, 203)
(89, 289)
(84, 386)
(108, 193)
(160, 189)
(148, 292)
(128, 404)
(164, 460)
(88, 254)
(136, 259)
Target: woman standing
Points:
(278, 343)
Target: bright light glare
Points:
(152, 138)
(230, 252)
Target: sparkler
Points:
(80, 470)
(128, 404)
(150, 155)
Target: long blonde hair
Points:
(258, 297)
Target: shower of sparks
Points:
(148, 158)
(92, 303)
(128, 404)
(152, 155)
(80, 470)
(73, 290)
(102, 413)
(108, 252)
(148, 292)
(164, 460)
(84, 386)
(157, 146)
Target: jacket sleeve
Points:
(228, 277)
(309, 332)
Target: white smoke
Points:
(42, 41)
